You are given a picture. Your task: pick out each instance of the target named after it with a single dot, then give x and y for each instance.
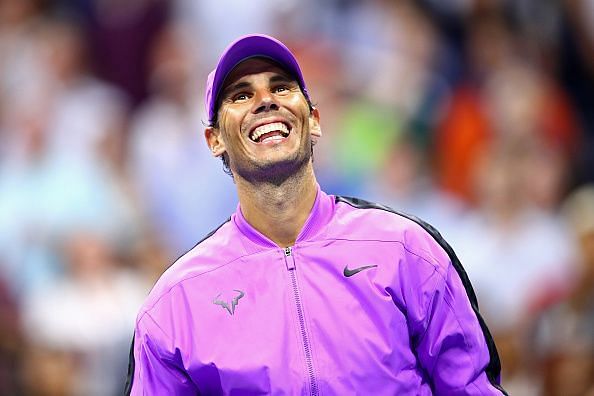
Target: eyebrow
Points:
(282, 78)
(235, 87)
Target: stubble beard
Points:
(275, 173)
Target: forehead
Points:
(254, 66)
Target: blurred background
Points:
(475, 115)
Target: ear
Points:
(314, 124)
(215, 141)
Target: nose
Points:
(265, 101)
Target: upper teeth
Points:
(262, 129)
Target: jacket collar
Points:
(320, 215)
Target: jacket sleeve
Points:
(155, 369)
(450, 338)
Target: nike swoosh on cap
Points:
(350, 272)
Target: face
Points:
(265, 124)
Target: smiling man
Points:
(301, 292)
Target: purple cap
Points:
(245, 47)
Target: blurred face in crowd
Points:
(265, 123)
(90, 256)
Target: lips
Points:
(269, 132)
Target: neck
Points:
(279, 211)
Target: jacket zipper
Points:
(290, 261)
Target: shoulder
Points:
(218, 249)
(416, 236)
(361, 219)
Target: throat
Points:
(279, 212)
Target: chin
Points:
(274, 170)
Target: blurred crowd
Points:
(475, 115)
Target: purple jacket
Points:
(367, 301)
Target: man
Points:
(301, 292)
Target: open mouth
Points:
(269, 132)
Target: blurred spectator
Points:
(515, 254)
(86, 316)
(147, 256)
(393, 84)
(58, 151)
(461, 139)
(175, 174)
(55, 371)
(544, 173)
(120, 36)
(505, 234)
(367, 130)
(20, 56)
(542, 110)
(215, 25)
(405, 184)
(565, 331)
(86, 114)
(487, 106)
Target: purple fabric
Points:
(245, 47)
(295, 324)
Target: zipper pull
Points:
(289, 259)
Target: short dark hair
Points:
(226, 166)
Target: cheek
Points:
(300, 113)
(300, 104)
(230, 125)
(231, 116)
